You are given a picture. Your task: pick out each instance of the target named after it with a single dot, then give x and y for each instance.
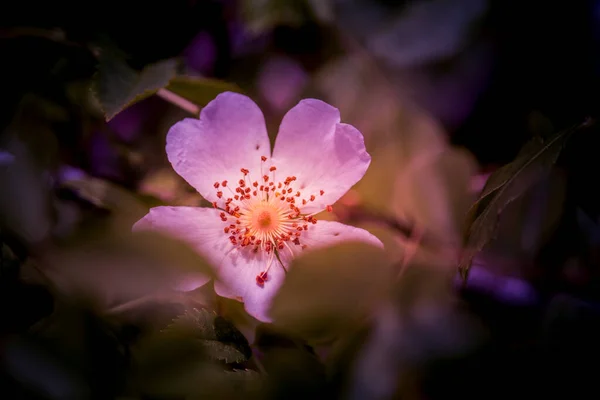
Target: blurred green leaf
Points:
(200, 91)
(125, 205)
(218, 338)
(262, 15)
(117, 86)
(505, 186)
(328, 290)
(29, 148)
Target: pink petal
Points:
(237, 280)
(327, 233)
(322, 153)
(200, 228)
(238, 272)
(230, 135)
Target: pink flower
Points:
(264, 205)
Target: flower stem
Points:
(178, 101)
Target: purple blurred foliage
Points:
(69, 173)
(201, 54)
(6, 158)
(430, 49)
(103, 158)
(128, 123)
(242, 42)
(280, 81)
(505, 289)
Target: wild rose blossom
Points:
(264, 205)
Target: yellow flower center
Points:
(265, 214)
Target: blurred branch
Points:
(354, 215)
(178, 101)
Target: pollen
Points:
(268, 218)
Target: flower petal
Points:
(230, 135)
(237, 280)
(322, 153)
(327, 233)
(200, 228)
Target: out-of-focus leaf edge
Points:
(481, 208)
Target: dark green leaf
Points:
(200, 91)
(117, 86)
(506, 185)
(217, 337)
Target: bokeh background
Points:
(445, 92)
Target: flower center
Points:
(264, 220)
(265, 214)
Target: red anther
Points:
(282, 198)
(312, 197)
(226, 229)
(232, 226)
(297, 194)
(258, 242)
(280, 246)
(247, 197)
(224, 183)
(329, 208)
(242, 183)
(260, 281)
(322, 192)
(216, 185)
(304, 246)
(236, 197)
(296, 242)
(263, 158)
(238, 190)
(219, 194)
(247, 190)
(244, 171)
(303, 202)
(255, 184)
(238, 222)
(266, 178)
(214, 203)
(305, 227)
(273, 168)
(289, 190)
(254, 193)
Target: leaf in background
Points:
(217, 337)
(125, 206)
(263, 15)
(506, 185)
(32, 148)
(328, 289)
(117, 86)
(200, 91)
